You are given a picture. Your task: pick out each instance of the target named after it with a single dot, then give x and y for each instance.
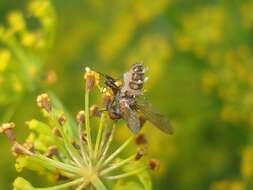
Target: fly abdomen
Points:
(136, 85)
(138, 76)
(134, 80)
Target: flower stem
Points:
(87, 122)
(97, 183)
(75, 156)
(98, 139)
(107, 145)
(59, 165)
(81, 144)
(117, 165)
(83, 185)
(113, 155)
(126, 174)
(65, 185)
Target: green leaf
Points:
(70, 126)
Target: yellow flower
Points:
(17, 86)
(246, 15)
(229, 114)
(16, 21)
(92, 78)
(236, 185)
(220, 185)
(28, 39)
(209, 81)
(39, 7)
(5, 56)
(247, 162)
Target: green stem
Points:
(64, 186)
(107, 145)
(98, 139)
(83, 185)
(87, 122)
(50, 162)
(81, 144)
(98, 184)
(134, 172)
(122, 147)
(75, 156)
(117, 165)
(59, 165)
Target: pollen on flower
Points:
(52, 150)
(56, 132)
(140, 153)
(43, 101)
(62, 119)
(80, 117)
(92, 78)
(6, 128)
(107, 96)
(119, 83)
(94, 110)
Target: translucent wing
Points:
(156, 118)
(130, 116)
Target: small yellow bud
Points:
(140, 153)
(107, 96)
(92, 78)
(6, 128)
(94, 111)
(62, 120)
(43, 101)
(80, 117)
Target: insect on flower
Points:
(128, 102)
(74, 154)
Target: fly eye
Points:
(138, 76)
(138, 68)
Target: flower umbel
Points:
(78, 161)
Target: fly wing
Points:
(133, 122)
(156, 118)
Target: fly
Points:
(127, 101)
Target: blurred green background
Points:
(200, 60)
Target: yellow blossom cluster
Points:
(25, 36)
